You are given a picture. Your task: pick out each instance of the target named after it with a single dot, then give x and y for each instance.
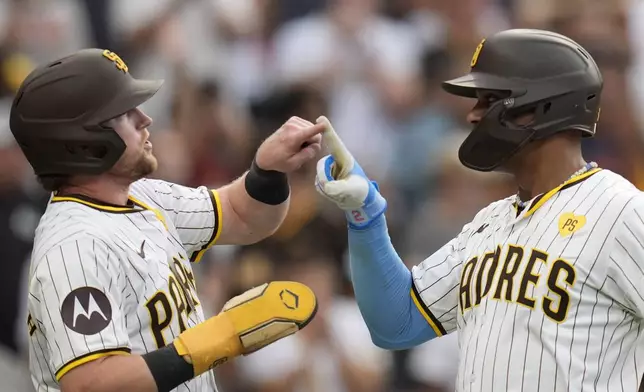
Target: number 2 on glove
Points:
(357, 216)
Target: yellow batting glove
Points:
(248, 322)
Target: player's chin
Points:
(152, 165)
(147, 165)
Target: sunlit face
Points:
(137, 160)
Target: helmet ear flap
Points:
(518, 117)
(573, 110)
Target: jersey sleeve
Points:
(434, 288)
(75, 294)
(437, 279)
(625, 272)
(195, 212)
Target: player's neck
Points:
(107, 191)
(541, 173)
(546, 177)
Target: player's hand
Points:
(293, 144)
(341, 179)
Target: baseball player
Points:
(113, 304)
(544, 287)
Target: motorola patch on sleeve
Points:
(86, 311)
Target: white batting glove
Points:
(341, 179)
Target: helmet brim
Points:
(468, 85)
(142, 90)
(134, 94)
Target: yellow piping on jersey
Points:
(217, 229)
(103, 207)
(437, 329)
(557, 189)
(88, 358)
(158, 213)
(90, 204)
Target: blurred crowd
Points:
(235, 70)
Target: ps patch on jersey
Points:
(86, 311)
(570, 223)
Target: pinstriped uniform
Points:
(545, 299)
(110, 280)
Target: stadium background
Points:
(235, 70)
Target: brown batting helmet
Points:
(59, 112)
(534, 71)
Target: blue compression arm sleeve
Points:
(382, 285)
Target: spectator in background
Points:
(43, 29)
(20, 209)
(156, 36)
(14, 374)
(249, 27)
(365, 65)
(634, 26)
(418, 145)
(289, 10)
(216, 135)
(434, 365)
(97, 13)
(219, 136)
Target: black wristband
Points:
(267, 186)
(168, 368)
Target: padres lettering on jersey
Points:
(113, 280)
(523, 263)
(548, 298)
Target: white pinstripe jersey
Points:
(550, 299)
(109, 280)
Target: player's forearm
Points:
(110, 374)
(248, 220)
(382, 285)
